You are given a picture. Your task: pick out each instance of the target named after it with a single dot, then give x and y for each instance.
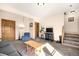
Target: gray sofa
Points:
(1, 54)
(12, 48)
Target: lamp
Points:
(21, 27)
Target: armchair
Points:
(26, 36)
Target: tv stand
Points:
(49, 36)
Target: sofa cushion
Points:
(1, 54)
(7, 48)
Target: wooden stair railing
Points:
(62, 35)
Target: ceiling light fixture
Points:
(71, 9)
(40, 4)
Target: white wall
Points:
(19, 21)
(72, 27)
(36, 19)
(56, 22)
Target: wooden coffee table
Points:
(33, 44)
(32, 47)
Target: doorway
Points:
(36, 29)
(8, 29)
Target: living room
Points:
(36, 25)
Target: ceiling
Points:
(34, 10)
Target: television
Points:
(49, 29)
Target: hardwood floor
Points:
(64, 50)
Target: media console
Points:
(49, 34)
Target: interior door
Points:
(8, 29)
(36, 29)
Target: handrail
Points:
(62, 35)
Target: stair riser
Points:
(72, 39)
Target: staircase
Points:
(71, 40)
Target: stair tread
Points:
(71, 42)
(72, 36)
(71, 45)
(72, 39)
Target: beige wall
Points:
(19, 21)
(36, 19)
(72, 27)
(56, 22)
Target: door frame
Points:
(38, 30)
